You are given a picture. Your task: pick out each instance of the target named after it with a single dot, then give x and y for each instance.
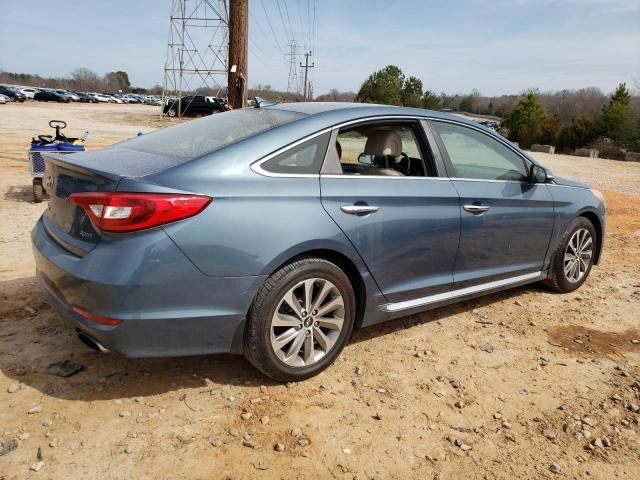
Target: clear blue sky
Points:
(497, 46)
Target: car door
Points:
(186, 105)
(199, 106)
(405, 225)
(506, 219)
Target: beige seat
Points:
(386, 144)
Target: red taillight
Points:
(127, 212)
(96, 318)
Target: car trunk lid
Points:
(67, 223)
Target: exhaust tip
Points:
(91, 343)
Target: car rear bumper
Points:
(167, 306)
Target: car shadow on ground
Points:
(34, 336)
(442, 313)
(19, 193)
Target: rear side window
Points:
(196, 138)
(476, 155)
(305, 158)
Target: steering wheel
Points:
(406, 170)
(45, 139)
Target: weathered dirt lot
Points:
(562, 372)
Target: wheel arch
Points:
(597, 225)
(345, 264)
(341, 260)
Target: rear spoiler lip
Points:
(62, 159)
(121, 183)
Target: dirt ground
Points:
(521, 384)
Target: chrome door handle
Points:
(476, 208)
(358, 209)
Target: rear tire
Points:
(300, 320)
(172, 112)
(573, 260)
(38, 191)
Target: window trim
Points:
(322, 143)
(447, 160)
(439, 154)
(257, 166)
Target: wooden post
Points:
(238, 53)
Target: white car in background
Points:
(4, 99)
(102, 98)
(29, 92)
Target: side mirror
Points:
(539, 174)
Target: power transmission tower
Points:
(293, 85)
(238, 52)
(306, 67)
(197, 49)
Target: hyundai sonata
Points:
(276, 231)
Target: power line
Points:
(284, 24)
(266, 37)
(309, 22)
(271, 28)
(313, 43)
(301, 24)
(288, 18)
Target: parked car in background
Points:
(113, 98)
(153, 101)
(13, 94)
(134, 98)
(51, 96)
(275, 231)
(28, 92)
(4, 99)
(100, 97)
(193, 105)
(86, 97)
(65, 93)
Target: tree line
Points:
(567, 119)
(81, 80)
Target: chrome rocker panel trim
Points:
(443, 297)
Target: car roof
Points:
(337, 112)
(315, 117)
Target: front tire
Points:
(300, 320)
(572, 262)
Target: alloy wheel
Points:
(307, 322)
(578, 254)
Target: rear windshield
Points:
(199, 137)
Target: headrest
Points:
(383, 142)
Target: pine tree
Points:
(617, 122)
(525, 121)
(383, 86)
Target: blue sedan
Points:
(275, 231)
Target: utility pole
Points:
(238, 52)
(306, 67)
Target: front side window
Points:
(305, 158)
(476, 155)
